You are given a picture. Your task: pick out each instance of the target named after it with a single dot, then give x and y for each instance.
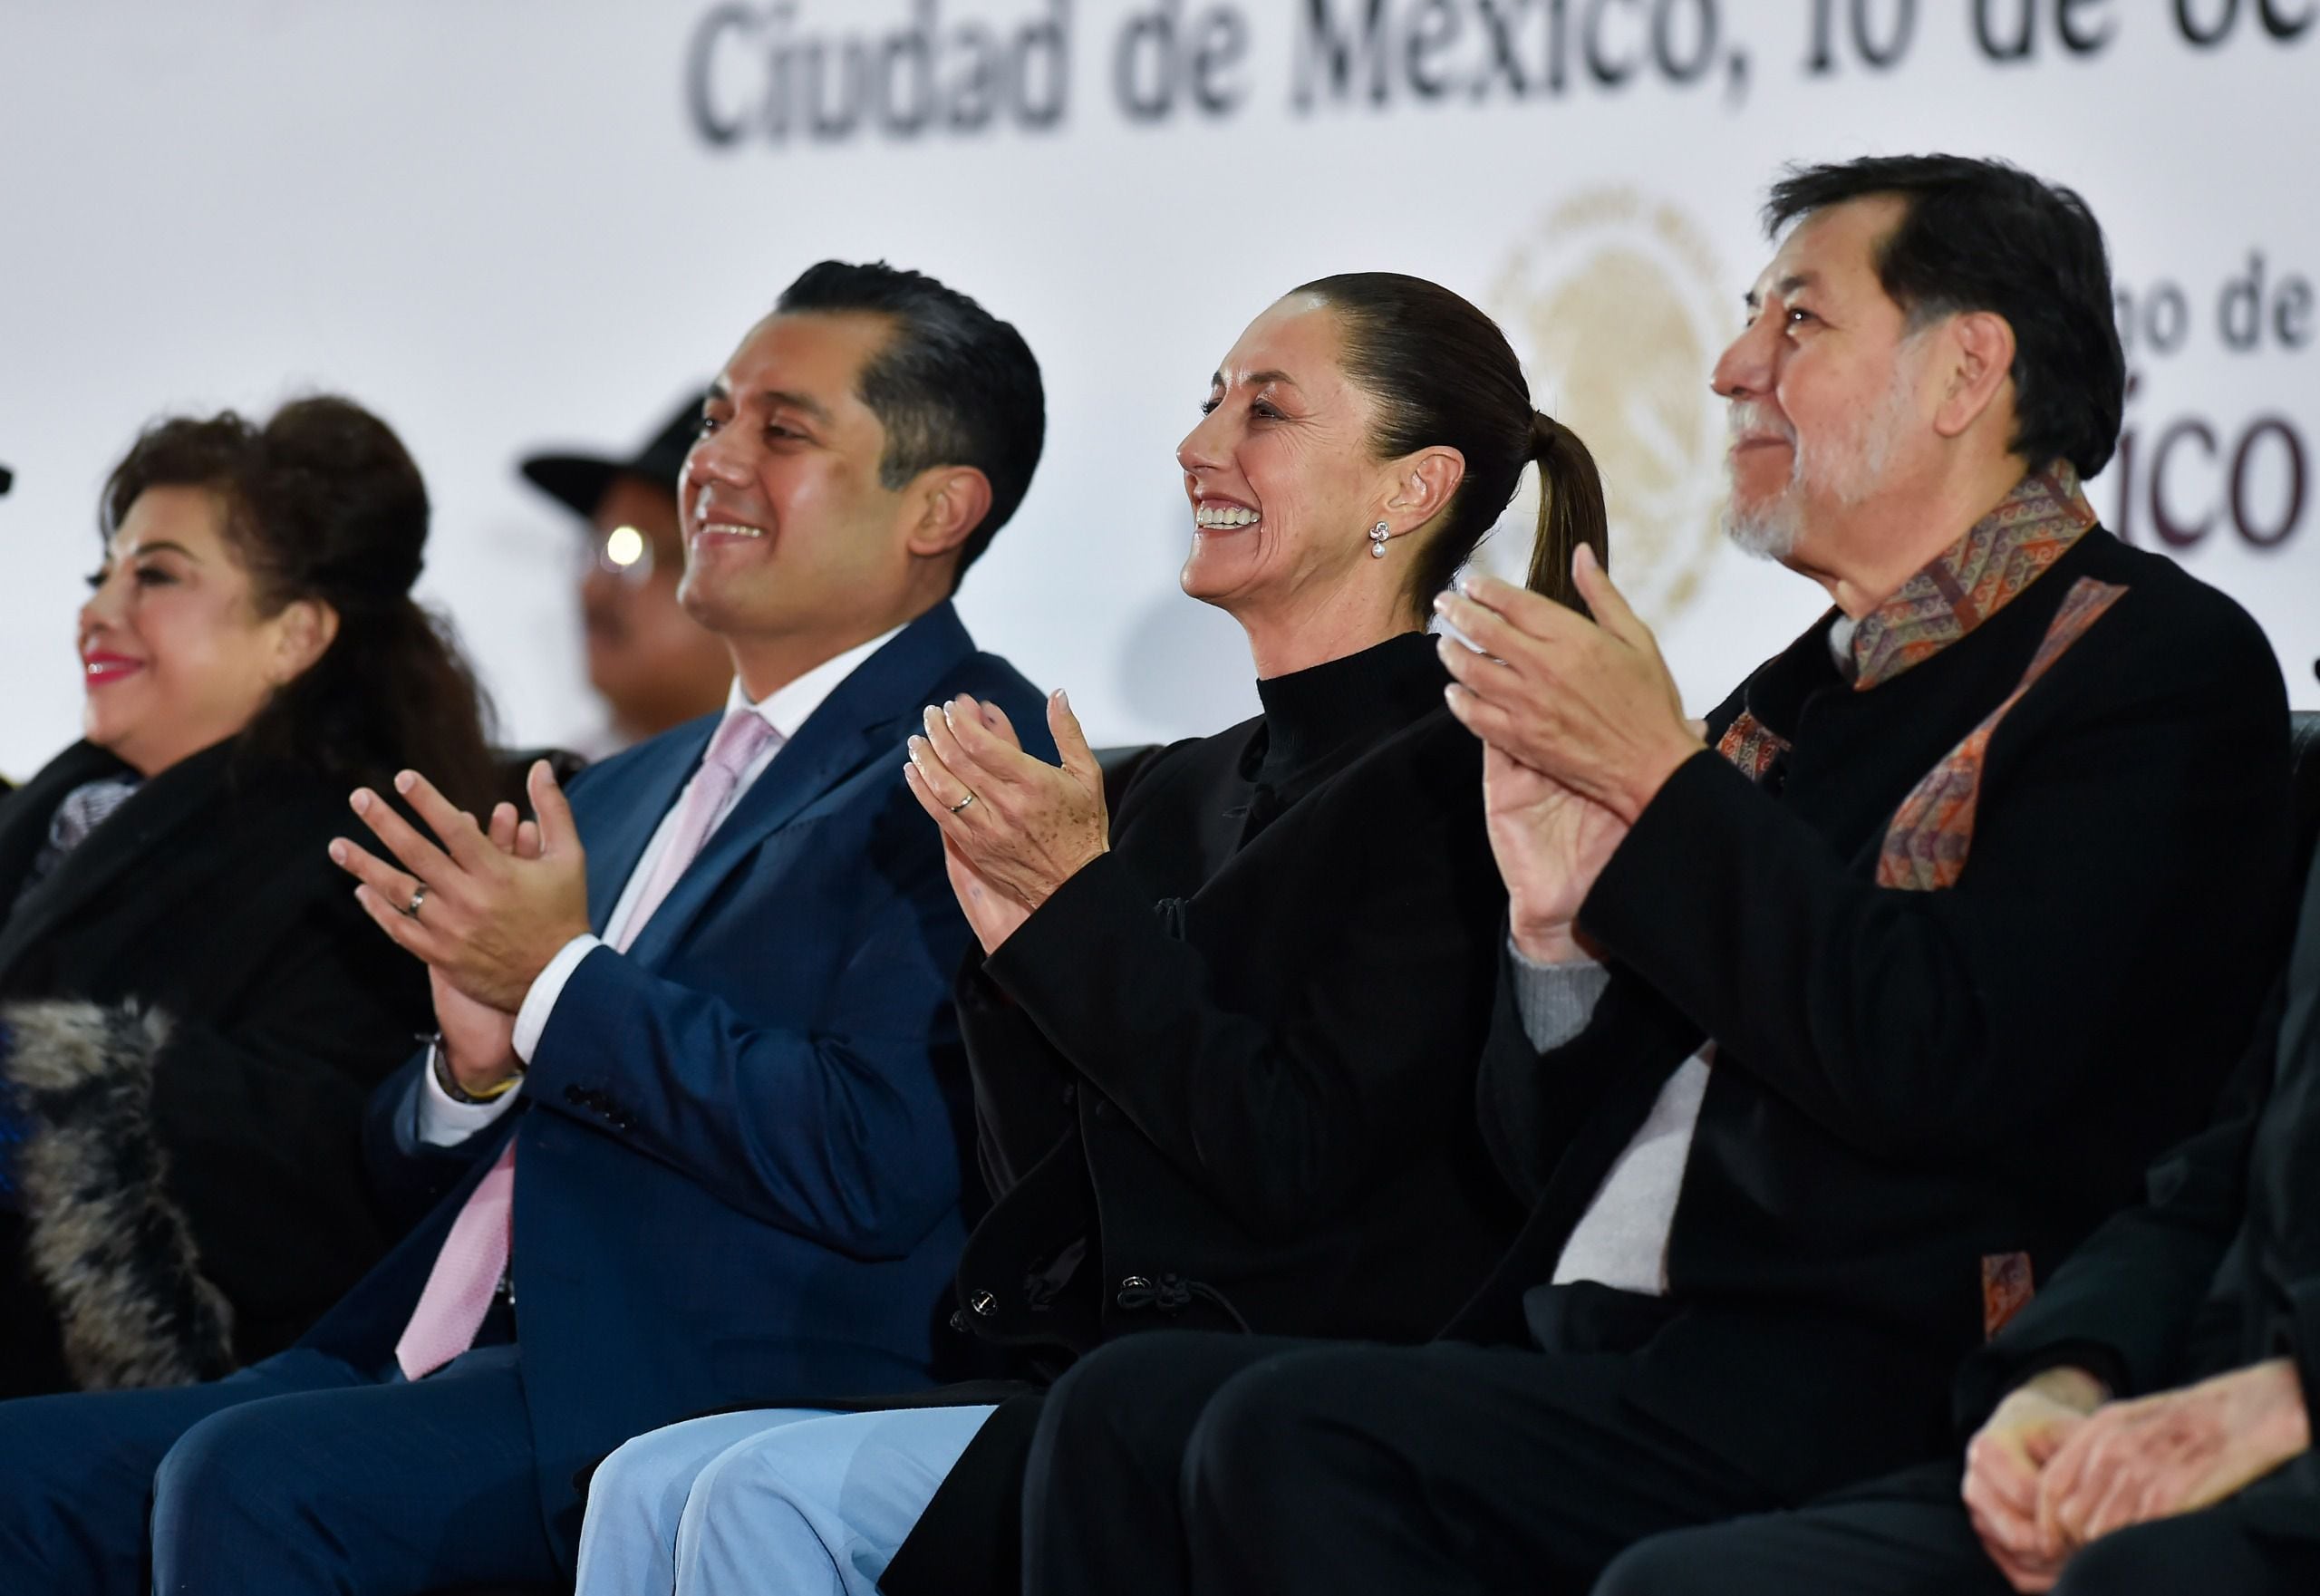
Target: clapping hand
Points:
(1588, 704)
(1550, 845)
(479, 1041)
(1014, 827)
(487, 920)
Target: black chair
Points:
(1119, 764)
(2303, 783)
(515, 764)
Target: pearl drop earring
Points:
(1377, 536)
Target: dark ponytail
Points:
(1442, 375)
(323, 503)
(1571, 509)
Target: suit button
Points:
(1103, 1111)
(958, 1324)
(1070, 1094)
(983, 1303)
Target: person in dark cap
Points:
(653, 665)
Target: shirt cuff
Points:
(531, 1019)
(1555, 1000)
(443, 1120)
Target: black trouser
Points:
(1908, 1535)
(1170, 1462)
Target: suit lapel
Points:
(152, 812)
(633, 813)
(864, 718)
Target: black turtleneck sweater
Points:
(1318, 719)
(1233, 1058)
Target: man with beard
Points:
(1819, 1044)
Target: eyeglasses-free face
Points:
(175, 650)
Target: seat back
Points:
(1119, 764)
(2304, 784)
(515, 767)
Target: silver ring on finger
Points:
(961, 804)
(418, 901)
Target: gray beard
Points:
(1771, 530)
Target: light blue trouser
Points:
(781, 1502)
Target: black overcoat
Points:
(200, 1009)
(1922, 1098)
(2219, 1267)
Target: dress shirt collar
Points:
(789, 707)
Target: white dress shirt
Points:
(444, 1121)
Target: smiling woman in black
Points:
(1223, 1043)
(193, 1010)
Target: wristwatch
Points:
(438, 1061)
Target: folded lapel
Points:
(864, 718)
(26, 814)
(160, 806)
(634, 812)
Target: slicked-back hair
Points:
(955, 385)
(1442, 373)
(1986, 236)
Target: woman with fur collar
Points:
(195, 1008)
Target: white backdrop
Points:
(504, 223)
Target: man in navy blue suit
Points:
(689, 1129)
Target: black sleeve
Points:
(1023, 1086)
(408, 1177)
(1531, 1104)
(2127, 820)
(1024, 1103)
(1283, 1118)
(260, 1111)
(2124, 1305)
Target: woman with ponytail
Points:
(1224, 1038)
(195, 1009)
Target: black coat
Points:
(199, 1009)
(1922, 1098)
(1224, 1076)
(2219, 1266)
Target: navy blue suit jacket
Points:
(738, 1153)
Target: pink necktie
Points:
(460, 1288)
(738, 741)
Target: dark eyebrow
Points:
(165, 546)
(1254, 379)
(1785, 288)
(784, 399)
